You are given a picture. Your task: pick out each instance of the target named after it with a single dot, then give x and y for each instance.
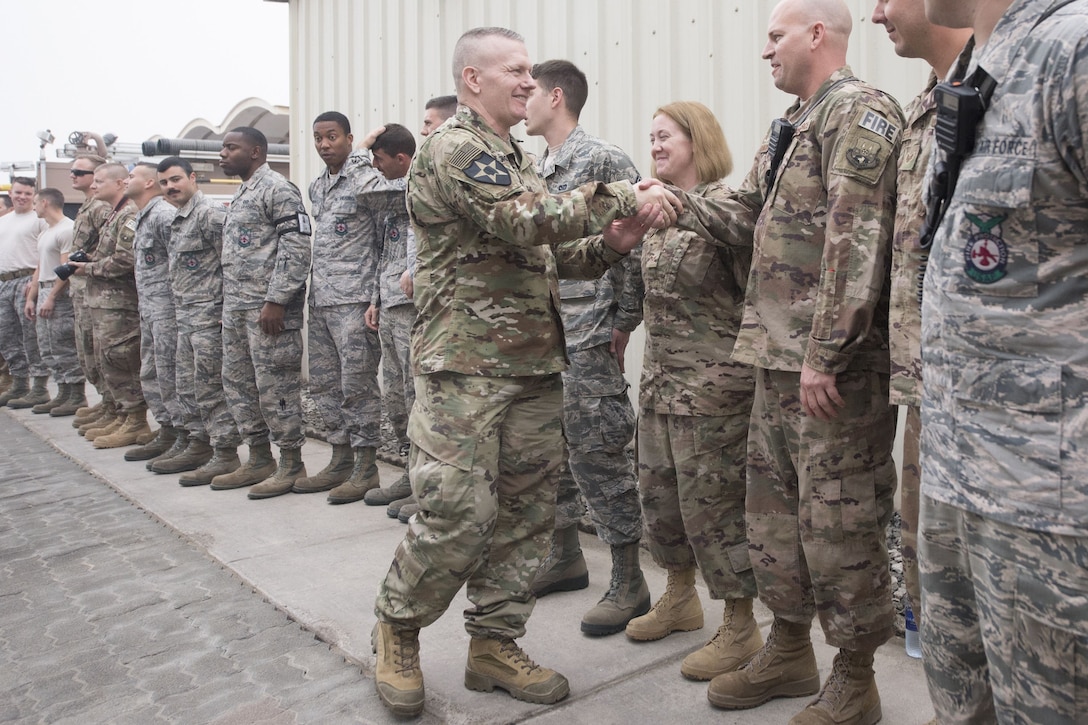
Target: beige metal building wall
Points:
(380, 60)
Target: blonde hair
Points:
(711, 153)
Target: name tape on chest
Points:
(873, 121)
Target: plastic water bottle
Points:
(914, 645)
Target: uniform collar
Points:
(149, 208)
(996, 57)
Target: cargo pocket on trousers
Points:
(842, 490)
(125, 353)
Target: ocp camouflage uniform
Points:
(598, 418)
(158, 325)
(1004, 538)
(344, 353)
(820, 493)
(905, 316)
(486, 352)
(397, 312)
(89, 222)
(266, 257)
(196, 278)
(112, 299)
(695, 406)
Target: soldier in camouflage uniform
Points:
(821, 480)
(487, 350)
(89, 221)
(112, 299)
(206, 444)
(695, 406)
(266, 260)
(158, 324)
(598, 419)
(1003, 546)
(343, 352)
(914, 37)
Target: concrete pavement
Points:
(319, 566)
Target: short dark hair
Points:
(395, 139)
(565, 75)
(53, 197)
(335, 117)
(6, 201)
(171, 161)
(445, 104)
(24, 181)
(254, 136)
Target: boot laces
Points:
(836, 682)
(405, 653)
(617, 580)
(510, 648)
(764, 652)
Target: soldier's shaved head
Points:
(834, 14)
(473, 49)
(806, 43)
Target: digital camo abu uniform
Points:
(1003, 545)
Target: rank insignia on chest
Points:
(486, 169)
(340, 227)
(985, 255)
(863, 154)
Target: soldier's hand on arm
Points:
(407, 286)
(46, 310)
(623, 235)
(619, 346)
(271, 318)
(652, 191)
(370, 317)
(819, 394)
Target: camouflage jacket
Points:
(488, 236)
(384, 199)
(591, 308)
(694, 299)
(152, 265)
(266, 246)
(346, 245)
(111, 282)
(908, 259)
(196, 271)
(818, 291)
(89, 221)
(1005, 314)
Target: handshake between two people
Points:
(657, 209)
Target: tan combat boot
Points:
(161, 443)
(678, 610)
(64, 391)
(181, 442)
(564, 569)
(848, 696)
(195, 455)
(105, 425)
(5, 381)
(290, 470)
(76, 399)
(386, 495)
(92, 413)
(783, 667)
(37, 395)
(223, 461)
(397, 675)
(735, 642)
(128, 434)
(340, 467)
(501, 663)
(19, 387)
(627, 596)
(363, 478)
(257, 468)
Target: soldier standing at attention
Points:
(266, 260)
(598, 419)
(821, 480)
(112, 299)
(914, 37)
(1003, 546)
(487, 350)
(344, 353)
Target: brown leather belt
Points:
(8, 276)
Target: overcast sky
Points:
(135, 68)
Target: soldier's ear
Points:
(557, 97)
(470, 76)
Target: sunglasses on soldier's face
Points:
(80, 172)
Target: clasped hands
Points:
(657, 209)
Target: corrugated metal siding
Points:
(380, 60)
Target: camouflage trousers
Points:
(344, 356)
(117, 356)
(1006, 632)
(910, 483)
(599, 423)
(262, 379)
(691, 480)
(395, 331)
(57, 337)
(158, 374)
(820, 497)
(18, 335)
(199, 377)
(84, 331)
(484, 461)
